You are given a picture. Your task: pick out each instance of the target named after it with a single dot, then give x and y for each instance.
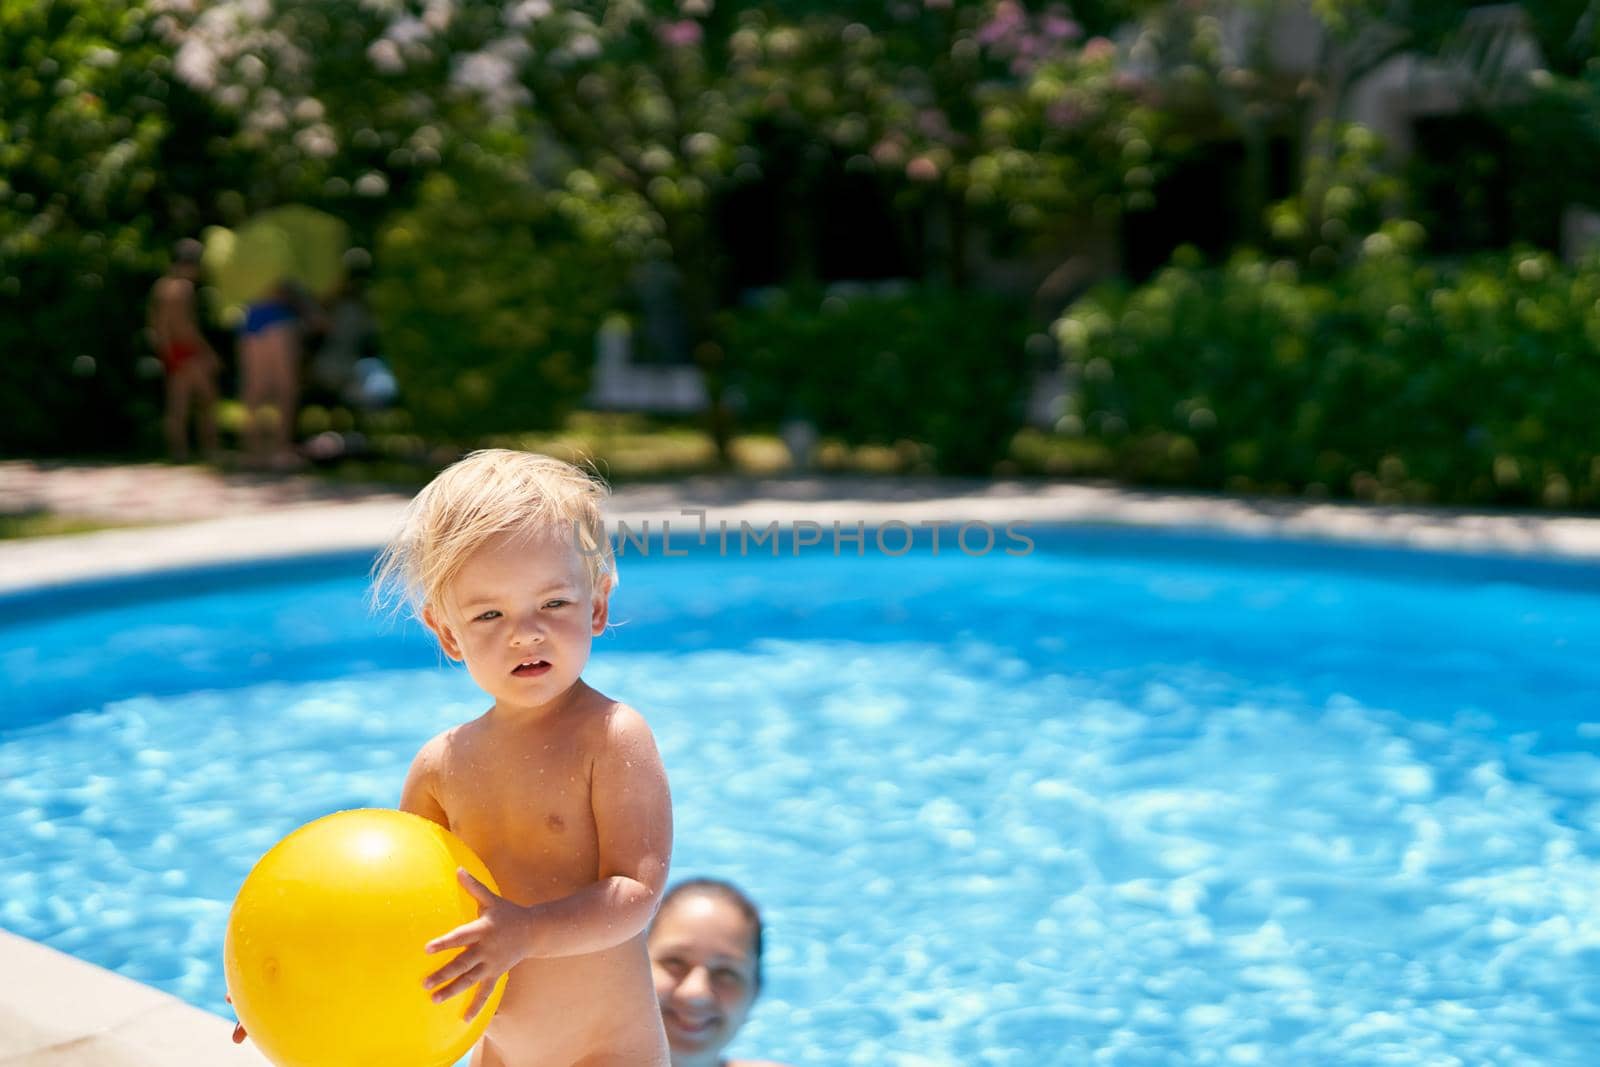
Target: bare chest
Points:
(526, 811)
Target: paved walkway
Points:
(156, 492)
(207, 517)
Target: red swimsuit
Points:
(177, 353)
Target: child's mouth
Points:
(531, 669)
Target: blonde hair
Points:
(491, 492)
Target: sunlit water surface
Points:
(1129, 799)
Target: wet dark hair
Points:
(716, 887)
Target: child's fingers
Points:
(238, 1028)
(479, 999)
(457, 938)
(455, 988)
(480, 892)
(462, 964)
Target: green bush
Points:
(938, 367)
(1393, 381)
(488, 304)
(70, 382)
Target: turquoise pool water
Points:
(1134, 798)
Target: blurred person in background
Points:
(190, 363)
(269, 373)
(705, 952)
(348, 367)
(352, 336)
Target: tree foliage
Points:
(95, 182)
(576, 138)
(635, 117)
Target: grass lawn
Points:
(628, 447)
(48, 524)
(633, 448)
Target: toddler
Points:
(557, 787)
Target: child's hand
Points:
(491, 945)
(238, 1028)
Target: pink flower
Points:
(888, 151)
(922, 169)
(682, 34)
(1097, 48)
(932, 123)
(1064, 113)
(1060, 28)
(1008, 19)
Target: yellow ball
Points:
(324, 953)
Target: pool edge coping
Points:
(321, 529)
(71, 1013)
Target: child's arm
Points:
(416, 795)
(633, 820)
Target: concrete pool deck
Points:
(56, 1010)
(199, 517)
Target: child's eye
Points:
(490, 614)
(557, 603)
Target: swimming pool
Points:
(1132, 798)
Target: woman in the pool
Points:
(705, 949)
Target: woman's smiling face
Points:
(522, 615)
(702, 950)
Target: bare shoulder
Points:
(170, 288)
(622, 719)
(618, 728)
(420, 792)
(602, 720)
(434, 756)
(752, 1063)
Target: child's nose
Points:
(527, 632)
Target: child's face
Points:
(521, 615)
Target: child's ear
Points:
(446, 636)
(602, 605)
